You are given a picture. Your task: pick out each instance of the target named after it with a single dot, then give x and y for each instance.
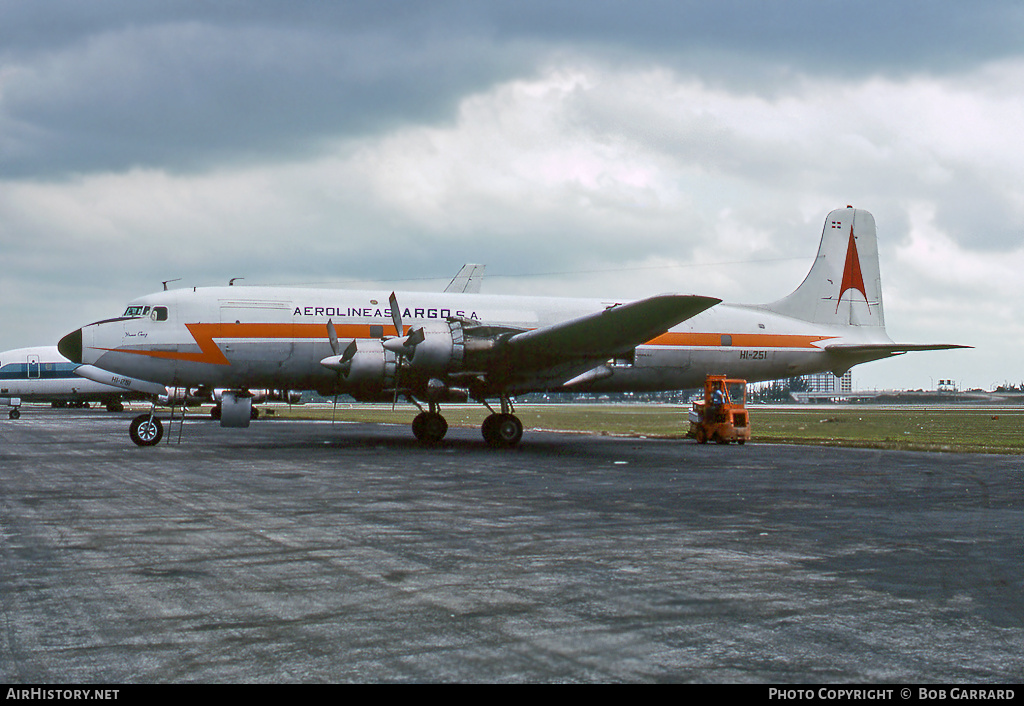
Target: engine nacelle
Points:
(371, 366)
(368, 369)
(188, 396)
(289, 396)
(365, 369)
(441, 350)
(438, 391)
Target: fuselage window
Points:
(159, 313)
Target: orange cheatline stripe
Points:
(210, 352)
(739, 340)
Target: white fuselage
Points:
(42, 374)
(248, 337)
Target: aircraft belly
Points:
(653, 369)
(278, 364)
(658, 368)
(679, 368)
(755, 365)
(135, 365)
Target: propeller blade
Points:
(332, 334)
(398, 377)
(415, 338)
(396, 314)
(345, 364)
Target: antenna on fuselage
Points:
(169, 280)
(231, 282)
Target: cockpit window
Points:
(159, 313)
(136, 311)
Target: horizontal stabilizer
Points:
(892, 348)
(849, 354)
(615, 330)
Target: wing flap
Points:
(603, 335)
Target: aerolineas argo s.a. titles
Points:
(434, 348)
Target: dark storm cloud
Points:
(107, 86)
(819, 35)
(186, 92)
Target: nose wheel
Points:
(146, 430)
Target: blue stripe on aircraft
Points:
(40, 371)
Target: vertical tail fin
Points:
(468, 280)
(844, 286)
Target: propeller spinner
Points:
(343, 362)
(403, 345)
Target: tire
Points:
(146, 430)
(429, 427)
(502, 430)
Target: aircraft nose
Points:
(71, 346)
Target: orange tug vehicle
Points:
(722, 415)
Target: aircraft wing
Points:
(468, 280)
(598, 337)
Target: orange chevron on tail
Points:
(852, 277)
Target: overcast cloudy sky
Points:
(576, 147)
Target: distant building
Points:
(827, 382)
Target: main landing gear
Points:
(501, 430)
(429, 427)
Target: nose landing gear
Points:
(146, 430)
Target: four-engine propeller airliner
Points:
(456, 345)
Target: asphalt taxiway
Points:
(312, 552)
